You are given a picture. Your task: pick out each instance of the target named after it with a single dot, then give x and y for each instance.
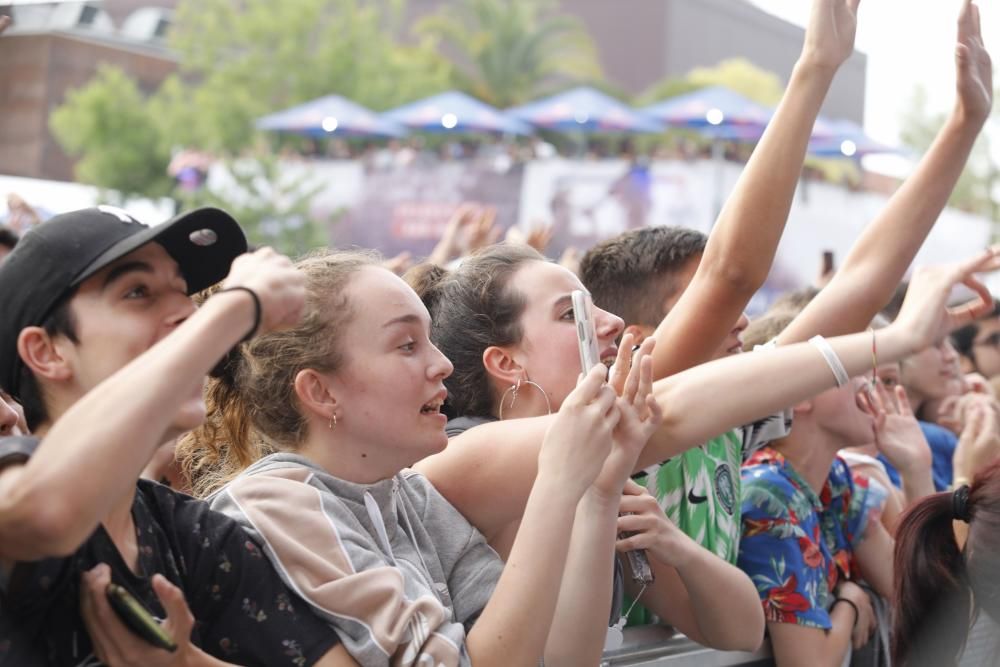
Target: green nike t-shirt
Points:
(699, 492)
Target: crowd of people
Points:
(322, 462)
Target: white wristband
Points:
(832, 360)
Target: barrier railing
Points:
(658, 646)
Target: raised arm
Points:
(709, 399)
(742, 245)
(575, 448)
(581, 618)
(109, 435)
(486, 471)
(883, 252)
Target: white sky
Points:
(907, 42)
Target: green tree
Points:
(237, 62)
(976, 188)
(741, 75)
(272, 204)
(512, 51)
(109, 126)
(737, 74)
(254, 57)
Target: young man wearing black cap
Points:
(88, 300)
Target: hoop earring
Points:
(516, 388)
(333, 421)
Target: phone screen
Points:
(583, 313)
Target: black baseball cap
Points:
(53, 258)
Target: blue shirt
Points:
(942, 443)
(798, 544)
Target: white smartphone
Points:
(586, 334)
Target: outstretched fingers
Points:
(623, 364)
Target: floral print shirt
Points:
(797, 545)
(244, 613)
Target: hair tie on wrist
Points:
(257, 309)
(960, 504)
(857, 612)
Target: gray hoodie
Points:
(392, 566)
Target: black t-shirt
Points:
(244, 613)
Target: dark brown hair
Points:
(633, 274)
(473, 308)
(939, 587)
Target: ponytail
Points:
(932, 598)
(939, 587)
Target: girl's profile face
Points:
(934, 372)
(390, 386)
(840, 412)
(548, 351)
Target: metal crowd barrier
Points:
(658, 646)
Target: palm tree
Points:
(509, 52)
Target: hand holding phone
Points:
(586, 333)
(642, 572)
(137, 618)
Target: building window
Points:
(87, 15)
(162, 26)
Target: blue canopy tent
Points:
(712, 107)
(584, 110)
(846, 140)
(332, 115)
(720, 113)
(454, 112)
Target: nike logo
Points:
(694, 500)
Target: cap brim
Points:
(203, 242)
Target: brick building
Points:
(55, 47)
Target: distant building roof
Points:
(144, 29)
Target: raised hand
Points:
(449, 246)
(579, 439)
(924, 316)
(4, 23)
(979, 444)
(399, 264)
(830, 33)
(975, 70)
(482, 231)
(276, 282)
(898, 435)
(538, 237)
(641, 415)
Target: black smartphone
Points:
(642, 573)
(137, 618)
